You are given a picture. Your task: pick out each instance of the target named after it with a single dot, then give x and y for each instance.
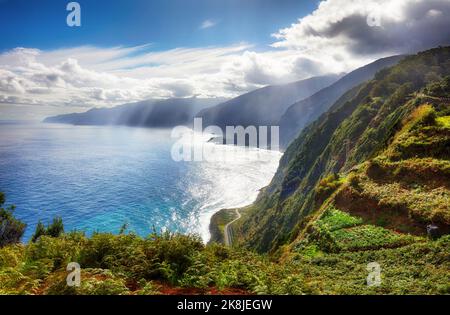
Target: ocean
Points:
(98, 178)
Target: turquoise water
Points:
(98, 178)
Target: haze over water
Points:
(98, 178)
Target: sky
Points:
(131, 50)
(165, 23)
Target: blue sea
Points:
(99, 178)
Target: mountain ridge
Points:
(149, 113)
(360, 124)
(300, 114)
(263, 107)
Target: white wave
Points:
(232, 183)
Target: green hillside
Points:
(373, 124)
(333, 259)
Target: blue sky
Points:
(167, 24)
(133, 50)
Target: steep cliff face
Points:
(265, 106)
(359, 127)
(302, 113)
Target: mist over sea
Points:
(99, 178)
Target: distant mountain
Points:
(300, 114)
(265, 106)
(150, 113)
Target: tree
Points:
(11, 229)
(55, 229)
(40, 230)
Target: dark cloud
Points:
(307, 67)
(417, 25)
(178, 89)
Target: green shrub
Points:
(334, 219)
(369, 237)
(55, 229)
(419, 268)
(93, 282)
(444, 121)
(11, 229)
(327, 186)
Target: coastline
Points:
(208, 186)
(222, 220)
(254, 166)
(219, 221)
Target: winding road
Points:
(228, 240)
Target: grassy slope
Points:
(380, 211)
(357, 128)
(175, 264)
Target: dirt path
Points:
(228, 240)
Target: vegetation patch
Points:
(327, 186)
(421, 203)
(425, 171)
(419, 268)
(369, 237)
(334, 219)
(426, 142)
(444, 122)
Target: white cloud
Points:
(339, 31)
(68, 76)
(118, 75)
(334, 38)
(208, 24)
